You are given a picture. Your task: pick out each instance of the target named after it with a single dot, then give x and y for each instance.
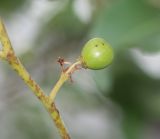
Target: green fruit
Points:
(96, 54)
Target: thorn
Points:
(70, 78)
(62, 62)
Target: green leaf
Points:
(66, 23)
(132, 89)
(128, 23)
(152, 44)
(8, 7)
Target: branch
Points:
(7, 53)
(1, 55)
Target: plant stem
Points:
(8, 54)
(6, 44)
(58, 85)
(64, 77)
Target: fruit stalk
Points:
(65, 75)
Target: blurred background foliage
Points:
(120, 102)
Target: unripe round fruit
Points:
(96, 54)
